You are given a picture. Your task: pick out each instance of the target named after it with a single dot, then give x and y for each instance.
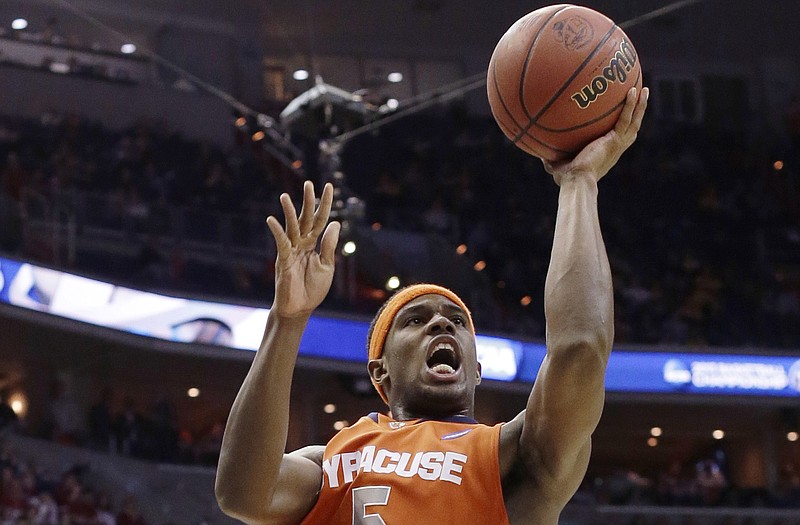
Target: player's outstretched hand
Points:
(599, 156)
(303, 276)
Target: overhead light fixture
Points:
(330, 408)
(718, 434)
(349, 248)
(19, 404)
(395, 77)
(19, 23)
(392, 103)
(59, 67)
(128, 49)
(393, 283)
(193, 392)
(300, 74)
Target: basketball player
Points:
(431, 463)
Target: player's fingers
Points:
(281, 240)
(307, 211)
(327, 249)
(324, 211)
(639, 110)
(290, 213)
(624, 121)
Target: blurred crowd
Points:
(700, 226)
(32, 496)
(704, 483)
(118, 425)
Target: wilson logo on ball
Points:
(616, 71)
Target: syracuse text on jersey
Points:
(429, 466)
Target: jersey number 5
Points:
(364, 497)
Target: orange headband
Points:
(395, 303)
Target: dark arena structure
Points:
(143, 143)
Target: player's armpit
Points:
(296, 491)
(298, 487)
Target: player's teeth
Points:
(443, 368)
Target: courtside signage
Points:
(186, 320)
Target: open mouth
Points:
(443, 358)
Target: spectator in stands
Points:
(43, 510)
(128, 428)
(710, 482)
(100, 431)
(8, 418)
(163, 430)
(129, 513)
(208, 446)
(81, 509)
(105, 514)
(64, 422)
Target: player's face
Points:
(430, 359)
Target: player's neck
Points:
(400, 413)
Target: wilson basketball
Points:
(558, 79)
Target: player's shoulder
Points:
(314, 453)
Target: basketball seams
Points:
(505, 128)
(533, 150)
(564, 86)
(503, 102)
(525, 64)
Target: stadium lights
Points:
(393, 283)
(128, 49)
(19, 24)
(300, 74)
(349, 248)
(19, 404)
(59, 67)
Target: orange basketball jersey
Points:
(380, 471)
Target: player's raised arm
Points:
(567, 398)
(256, 481)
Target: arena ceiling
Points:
(423, 26)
